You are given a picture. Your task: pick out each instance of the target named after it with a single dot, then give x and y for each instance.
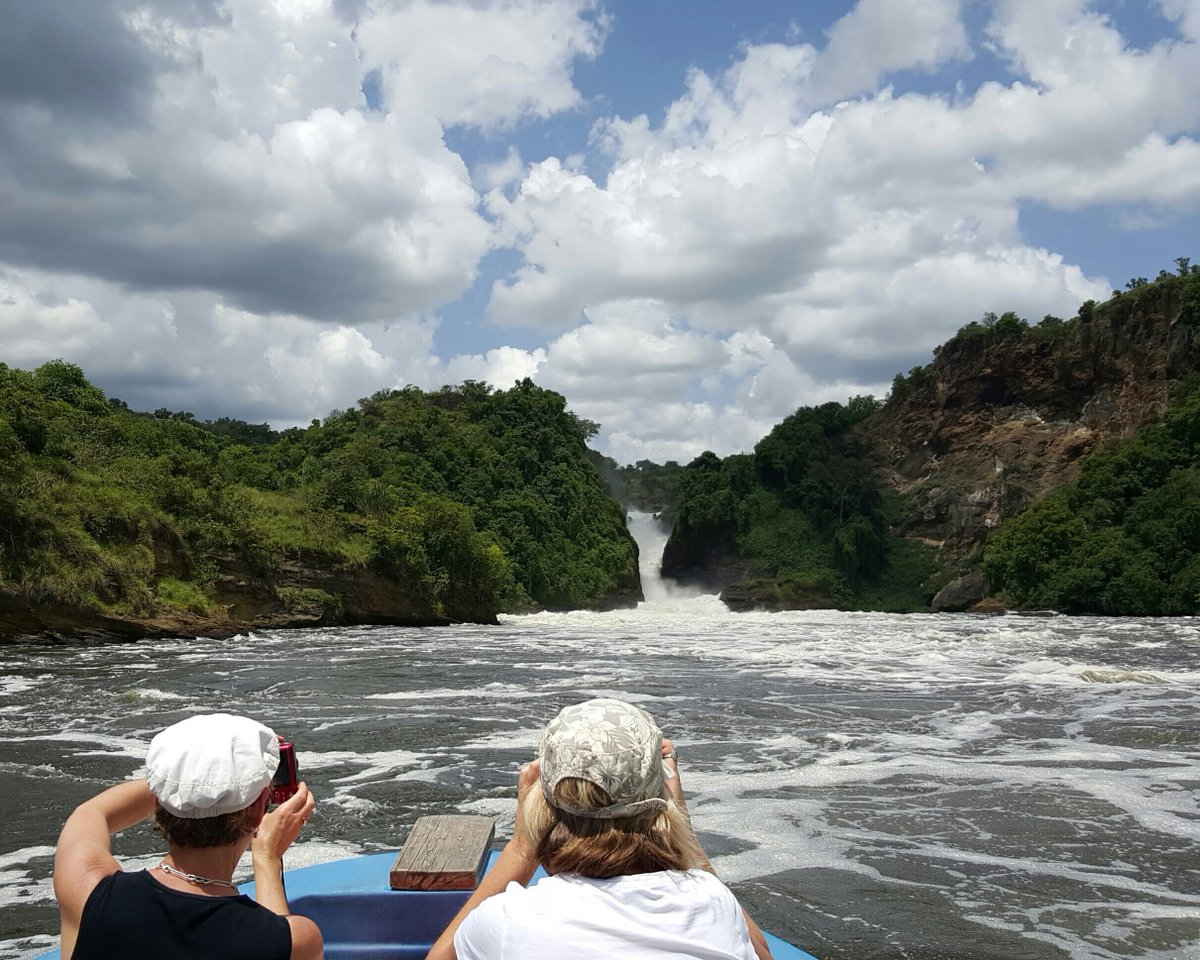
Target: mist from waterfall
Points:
(651, 534)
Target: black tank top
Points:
(131, 915)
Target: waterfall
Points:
(651, 535)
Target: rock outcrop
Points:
(307, 590)
(705, 556)
(994, 422)
(777, 593)
(997, 419)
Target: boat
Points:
(361, 918)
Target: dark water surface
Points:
(871, 786)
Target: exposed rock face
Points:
(705, 556)
(993, 424)
(311, 589)
(960, 594)
(773, 594)
(989, 426)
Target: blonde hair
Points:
(601, 848)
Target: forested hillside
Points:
(803, 521)
(644, 486)
(1027, 465)
(412, 507)
(1123, 539)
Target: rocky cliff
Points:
(412, 508)
(1002, 414)
(704, 556)
(996, 420)
(306, 590)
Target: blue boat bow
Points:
(362, 919)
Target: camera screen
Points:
(285, 773)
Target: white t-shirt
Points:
(646, 916)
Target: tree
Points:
(1010, 325)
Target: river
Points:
(902, 787)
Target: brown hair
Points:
(604, 848)
(206, 831)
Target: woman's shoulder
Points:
(696, 883)
(570, 886)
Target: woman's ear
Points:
(256, 811)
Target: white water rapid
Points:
(872, 786)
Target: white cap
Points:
(210, 765)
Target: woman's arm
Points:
(275, 834)
(675, 789)
(517, 862)
(84, 857)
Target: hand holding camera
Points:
(671, 766)
(295, 804)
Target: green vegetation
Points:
(806, 507)
(645, 486)
(1124, 539)
(474, 500)
(994, 328)
(298, 598)
(187, 597)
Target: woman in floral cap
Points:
(601, 809)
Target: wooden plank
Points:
(447, 852)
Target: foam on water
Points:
(10, 685)
(150, 693)
(90, 740)
(503, 690)
(1028, 784)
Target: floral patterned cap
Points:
(612, 744)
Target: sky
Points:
(689, 217)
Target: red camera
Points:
(286, 780)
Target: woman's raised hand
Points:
(671, 765)
(527, 780)
(281, 826)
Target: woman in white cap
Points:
(207, 786)
(601, 809)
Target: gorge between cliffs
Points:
(1027, 466)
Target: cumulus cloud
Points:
(847, 227)
(497, 176)
(880, 37)
(230, 147)
(198, 353)
(483, 65)
(208, 212)
(501, 367)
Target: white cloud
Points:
(501, 367)
(497, 176)
(199, 353)
(255, 169)
(33, 330)
(220, 221)
(1186, 13)
(483, 65)
(826, 247)
(880, 37)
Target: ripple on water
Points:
(872, 785)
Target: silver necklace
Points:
(195, 878)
